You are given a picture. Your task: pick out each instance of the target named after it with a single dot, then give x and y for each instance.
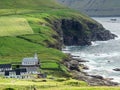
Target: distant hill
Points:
(95, 7)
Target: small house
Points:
(17, 73)
(31, 69)
(5, 67)
(28, 69)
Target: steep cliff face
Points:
(95, 7)
(73, 32)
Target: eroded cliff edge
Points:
(79, 32)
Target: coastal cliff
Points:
(80, 32)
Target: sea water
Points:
(103, 56)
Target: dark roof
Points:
(17, 71)
(21, 70)
(5, 65)
(6, 73)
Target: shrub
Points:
(61, 79)
(76, 83)
(9, 89)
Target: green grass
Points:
(28, 4)
(50, 65)
(12, 26)
(56, 84)
(12, 46)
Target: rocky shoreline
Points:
(77, 69)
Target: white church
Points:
(31, 61)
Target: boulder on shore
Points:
(116, 69)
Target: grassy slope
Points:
(30, 4)
(14, 26)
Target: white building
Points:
(5, 67)
(31, 64)
(17, 73)
(29, 68)
(33, 61)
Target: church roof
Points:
(30, 60)
(31, 69)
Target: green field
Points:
(50, 65)
(12, 26)
(48, 84)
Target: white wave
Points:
(101, 42)
(117, 38)
(107, 55)
(99, 55)
(94, 44)
(116, 79)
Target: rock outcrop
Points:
(76, 68)
(116, 69)
(74, 32)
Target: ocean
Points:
(103, 56)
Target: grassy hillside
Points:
(11, 26)
(27, 26)
(28, 4)
(95, 7)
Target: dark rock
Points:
(80, 60)
(108, 78)
(75, 34)
(74, 62)
(74, 31)
(74, 65)
(93, 80)
(97, 76)
(73, 56)
(85, 67)
(99, 33)
(116, 69)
